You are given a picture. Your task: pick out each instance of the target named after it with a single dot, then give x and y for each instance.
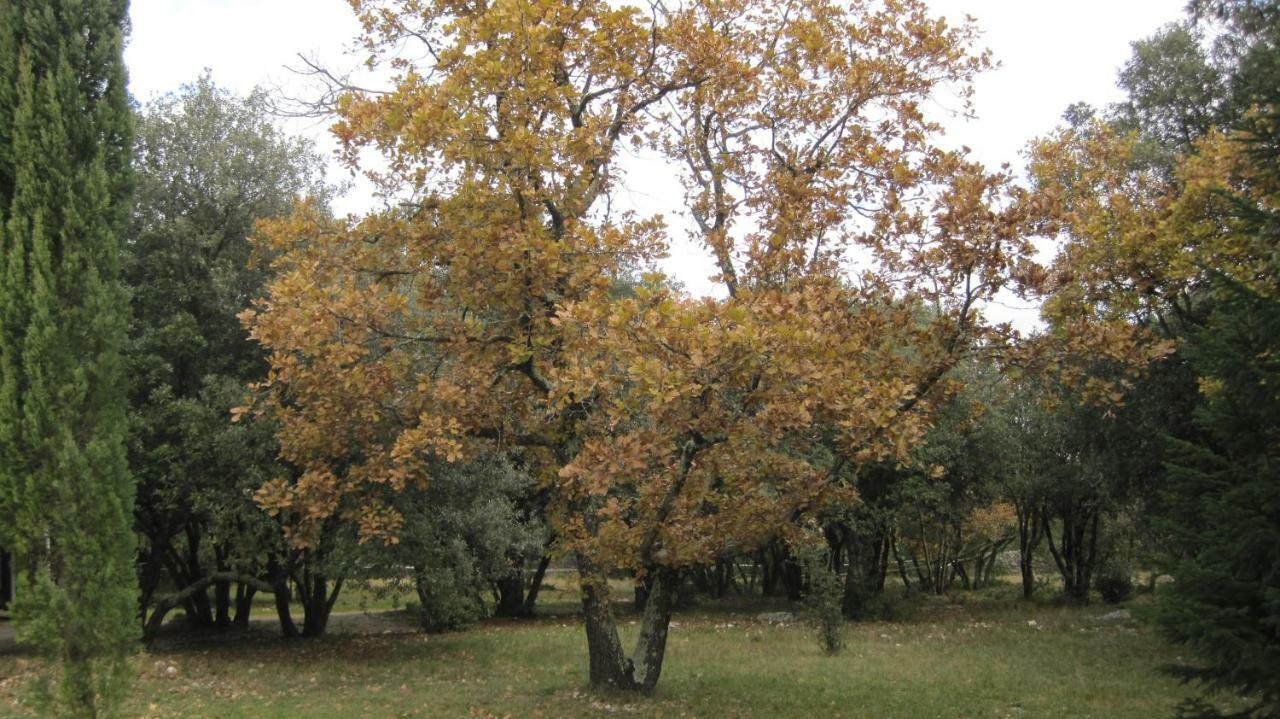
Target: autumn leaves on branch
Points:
(499, 302)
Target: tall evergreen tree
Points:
(66, 494)
(1225, 501)
(1224, 493)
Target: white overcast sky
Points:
(1051, 53)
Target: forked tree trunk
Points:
(244, 605)
(1031, 522)
(535, 585)
(610, 667)
(1078, 551)
(284, 597)
(517, 597)
(318, 599)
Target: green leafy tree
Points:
(953, 524)
(1176, 93)
(823, 595)
(65, 488)
(209, 165)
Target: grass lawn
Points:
(982, 658)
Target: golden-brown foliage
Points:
(491, 306)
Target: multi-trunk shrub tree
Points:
(209, 164)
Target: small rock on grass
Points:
(776, 618)
(1119, 615)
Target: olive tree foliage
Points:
(210, 166)
(463, 536)
(952, 522)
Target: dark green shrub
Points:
(823, 598)
(447, 600)
(1115, 585)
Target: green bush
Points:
(823, 598)
(447, 600)
(1115, 585)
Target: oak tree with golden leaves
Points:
(496, 304)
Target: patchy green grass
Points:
(960, 657)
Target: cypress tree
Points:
(66, 495)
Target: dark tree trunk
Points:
(221, 593)
(535, 586)
(317, 603)
(720, 578)
(1076, 554)
(510, 594)
(152, 570)
(1031, 522)
(188, 570)
(244, 605)
(793, 578)
(733, 573)
(703, 580)
(610, 667)
(781, 573)
(765, 570)
(284, 597)
(867, 563)
(6, 579)
(199, 610)
(222, 603)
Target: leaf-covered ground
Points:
(981, 659)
